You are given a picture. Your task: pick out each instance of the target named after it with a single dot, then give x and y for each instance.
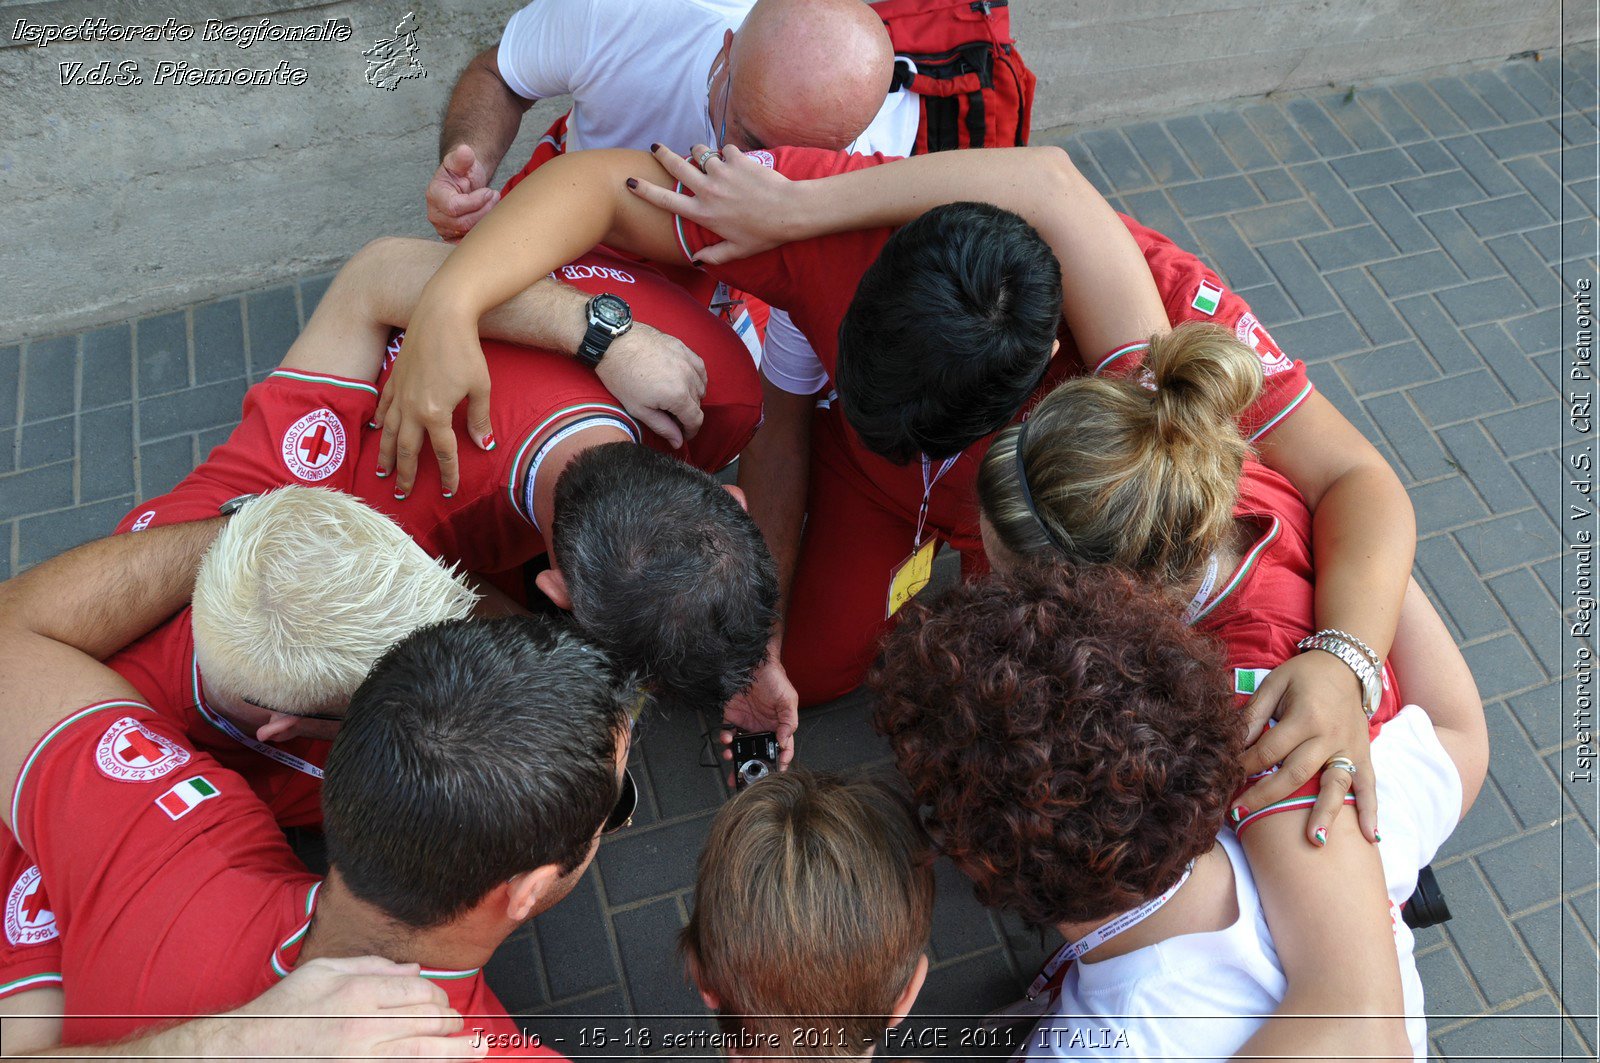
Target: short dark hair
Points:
(1073, 742)
(666, 571)
(475, 751)
(949, 332)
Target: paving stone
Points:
(105, 466)
(636, 864)
(1550, 575)
(163, 346)
(219, 341)
(1241, 142)
(1545, 476)
(1530, 138)
(513, 973)
(1355, 122)
(1320, 338)
(1478, 459)
(960, 924)
(1229, 255)
(1381, 167)
(1121, 167)
(1554, 938)
(10, 384)
(1278, 133)
(1446, 988)
(1515, 92)
(1501, 666)
(1527, 784)
(1525, 429)
(189, 411)
(1540, 710)
(1537, 617)
(1348, 247)
(311, 292)
(44, 535)
(1464, 246)
(1512, 214)
(1160, 155)
(1440, 191)
(44, 442)
(1457, 398)
(1433, 114)
(1369, 308)
(1391, 114)
(106, 374)
(8, 463)
(1485, 169)
(1523, 264)
(1200, 145)
(1276, 186)
(1395, 218)
(1420, 273)
(1527, 1031)
(1271, 307)
(567, 1027)
(1387, 368)
(1155, 210)
(841, 738)
(1314, 123)
(1488, 822)
(49, 378)
(1430, 157)
(1578, 851)
(648, 938)
(1492, 953)
(1471, 304)
(1510, 540)
(1220, 195)
(572, 938)
(163, 464)
(1457, 589)
(1464, 102)
(36, 490)
(1443, 504)
(1329, 194)
(1511, 366)
(1526, 871)
(1560, 243)
(950, 990)
(273, 325)
(1546, 187)
(1415, 444)
(1301, 281)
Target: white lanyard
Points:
(581, 425)
(1094, 939)
(927, 491)
(226, 726)
(1198, 602)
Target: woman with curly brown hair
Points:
(1074, 748)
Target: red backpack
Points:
(976, 91)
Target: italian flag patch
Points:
(1248, 680)
(181, 799)
(1208, 298)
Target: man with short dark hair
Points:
(480, 763)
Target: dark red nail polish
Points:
(633, 183)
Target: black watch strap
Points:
(596, 341)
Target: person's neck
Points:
(1241, 536)
(345, 925)
(1205, 903)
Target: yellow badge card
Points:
(910, 576)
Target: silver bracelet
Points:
(1371, 683)
(1372, 655)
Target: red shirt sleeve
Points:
(296, 428)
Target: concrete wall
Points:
(120, 200)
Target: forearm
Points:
(198, 1039)
(1109, 296)
(1296, 1031)
(1364, 536)
(101, 596)
(483, 114)
(558, 212)
(774, 473)
(1433, 674)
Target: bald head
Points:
(807, 73)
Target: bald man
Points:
(805, 73)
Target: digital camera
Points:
(755, 756)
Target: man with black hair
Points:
(476, 769)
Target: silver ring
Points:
(1341, 762)
(700, 160)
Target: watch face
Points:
(610, 311)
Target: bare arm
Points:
(101, 596)
(479, 125)
(355, 1008)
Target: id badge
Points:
(910, 576)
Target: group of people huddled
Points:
(468, 540)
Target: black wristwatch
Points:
(609, 317)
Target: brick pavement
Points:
(1414, 242)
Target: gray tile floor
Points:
(1415, 242)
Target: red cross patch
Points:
(1250, 330)
(131, 752)
(314, 446)
(29, 920)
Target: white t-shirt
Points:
(1201, 996)
(636, 71)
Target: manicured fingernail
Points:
(399, 496)
(487, 442)
(382, 472)
(1320, 835)
(449, 494)
(694, 262)
(1239, 812)
(654, 148)
(1376, 836)
(372, 424)
(632, 183)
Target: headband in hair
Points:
(1027, 493)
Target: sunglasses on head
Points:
(327, 716)
(627, 803)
